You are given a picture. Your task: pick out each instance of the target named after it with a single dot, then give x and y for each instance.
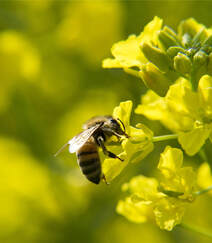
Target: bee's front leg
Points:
(105, 151)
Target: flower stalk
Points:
(164, 137)
(196, 229)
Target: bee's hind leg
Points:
(104, 179)
(105, 151)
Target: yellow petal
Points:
(154, 107)
(127, 54)
(205, 94)
(181, 99)
(139, 144)
(192, 141)
(169, 212)
(123, 112)
(111, 168)
(204, 176)
(135, 212)
(146, 188)
(171, 161)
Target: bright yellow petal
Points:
(135, 212)
(181, 99)
(154, 107)
(204, 176)
(192, 141)
(146, 188)
(150, 33)
(111, 168)
(169, 212)
(205, 95)
(171, 161)
(127, 54)
(123, 112)
(139, 144)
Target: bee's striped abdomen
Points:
(89, 161)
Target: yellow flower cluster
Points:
(177, 66)
(165, 199)
(183, 111)
(159, 56)
(135, 148)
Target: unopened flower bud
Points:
(173, 51)
(167, 39)
(155, 79)
(199, 37)
(200, 66)
(200, 59)
(208, 41)
(156, 56)
(209, 67)
(182, 63)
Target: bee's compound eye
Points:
(113, 121)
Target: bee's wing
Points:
(78, 141)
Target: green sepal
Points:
(155, 79)
(182, 63)
(200, 37)
(166, 39)
(174, 50)
(209, 67)
(156, 56)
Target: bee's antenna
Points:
(121, 123)
(61, 149)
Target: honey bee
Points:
(96, 132)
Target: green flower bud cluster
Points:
(188, 52)
(161, 55)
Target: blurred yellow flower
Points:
(19, 58)
(204, 176)
(91, 28)
(25, 186)
(19, 61)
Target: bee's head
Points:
(117, 127)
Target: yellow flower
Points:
(183, 111)
(134, 149)
(174, 178)
(165, 199)
(128, 53)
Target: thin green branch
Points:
(196, 229)
(203, 155)
(164, 137)
(203, 191)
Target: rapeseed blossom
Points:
(163, 200)
(159, 55)
(134, 149)
(183, 111)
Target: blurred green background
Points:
(51, 82)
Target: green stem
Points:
(196, 229)
(203, 191)
(132, 72)
(203, 155)
(164, 137)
